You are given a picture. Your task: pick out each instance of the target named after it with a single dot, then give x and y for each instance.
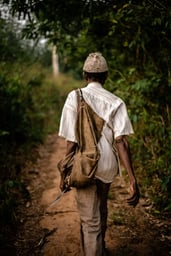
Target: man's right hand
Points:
(134, 199)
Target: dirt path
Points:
(54, 231)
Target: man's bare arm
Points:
(123, 149)
(71, 146)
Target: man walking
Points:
(92, 200)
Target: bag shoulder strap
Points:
(80, 97)
(95, 123)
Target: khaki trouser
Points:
(92, 206)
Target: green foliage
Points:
(8, 203)
(30, 104)
(16, 103)
(9, 44)
(150, 113)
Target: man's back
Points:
(113, 111)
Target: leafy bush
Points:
(16, 103)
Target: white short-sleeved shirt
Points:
(113, 111)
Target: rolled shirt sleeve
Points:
(68, 118)
(121, 122)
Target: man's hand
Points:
(63, 184)
(71, 147)
(122, 146)
(134, 199)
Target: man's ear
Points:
(85, 76)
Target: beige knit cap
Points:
(95, 63)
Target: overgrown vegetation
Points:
(150, 115)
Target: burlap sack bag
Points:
(79, 168)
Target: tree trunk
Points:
(55, 62)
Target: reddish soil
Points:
(54, 231)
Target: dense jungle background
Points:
(42, 49)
